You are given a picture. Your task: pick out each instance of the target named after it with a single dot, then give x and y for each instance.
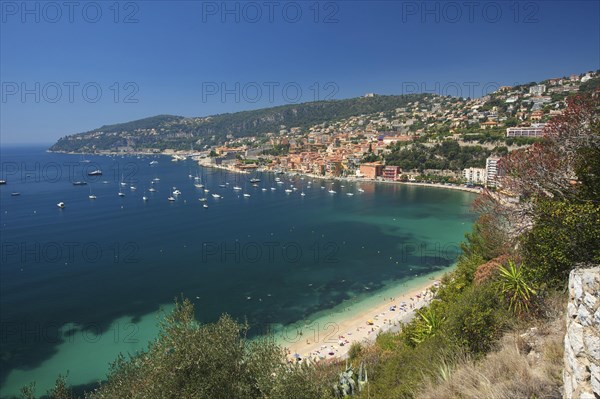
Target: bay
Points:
(81, 284)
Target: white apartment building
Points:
(475, 175)
(535, 130)
(491, 171)
(537, 90)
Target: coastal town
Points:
(359, 147)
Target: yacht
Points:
(264, 189)
(15, 194)
(198, 185)
(176, 192)
(133, 188)
(2, 181)
(96, 172)
(360, 190)
(79, 183)
(171, 198)
(237, 188)
(202, 199)
(121, 194)
(332, 192)
(349, 194)
(152, 189)
(222, 185)
(216, 196)
(61, 205)
(246, 195)
(254, 180)
(287, 190)
(156, 179)
(273, 189)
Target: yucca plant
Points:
(514, 285)
(428, 326)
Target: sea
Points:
(83, 283)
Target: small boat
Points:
(153, 162)
(264, 189)
(255, 180)
(144, 198)
(15, 194)
(61, 205)
(360, 190)
(79, 183)
(171, 199)
(2, 181)
(133, 188)
(156, 179)
(91, 196)
(349, 194)
(287, 190)
(237, 188)
(176, 192)
(198, 185)
(202, 199)
(302, 193)
(246, 195)
(222, 185)
(152, 189)
(216, 196)
(279, 182)
(206, 190)
(273, 189)
(332, 192)
(96, 172)
(205, 206)
(121, 194)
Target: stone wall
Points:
(582, 340)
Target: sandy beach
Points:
(333, 340)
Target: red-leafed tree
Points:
(566, 165)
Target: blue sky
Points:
(66, 70)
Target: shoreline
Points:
(474, 190)
(337, 331)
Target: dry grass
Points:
(524, 367)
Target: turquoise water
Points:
(79, 285)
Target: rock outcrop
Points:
(581, 374)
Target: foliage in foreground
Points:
(192, 360)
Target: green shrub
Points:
(476, 319)
(563, 234)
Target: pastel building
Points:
(475, 175)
